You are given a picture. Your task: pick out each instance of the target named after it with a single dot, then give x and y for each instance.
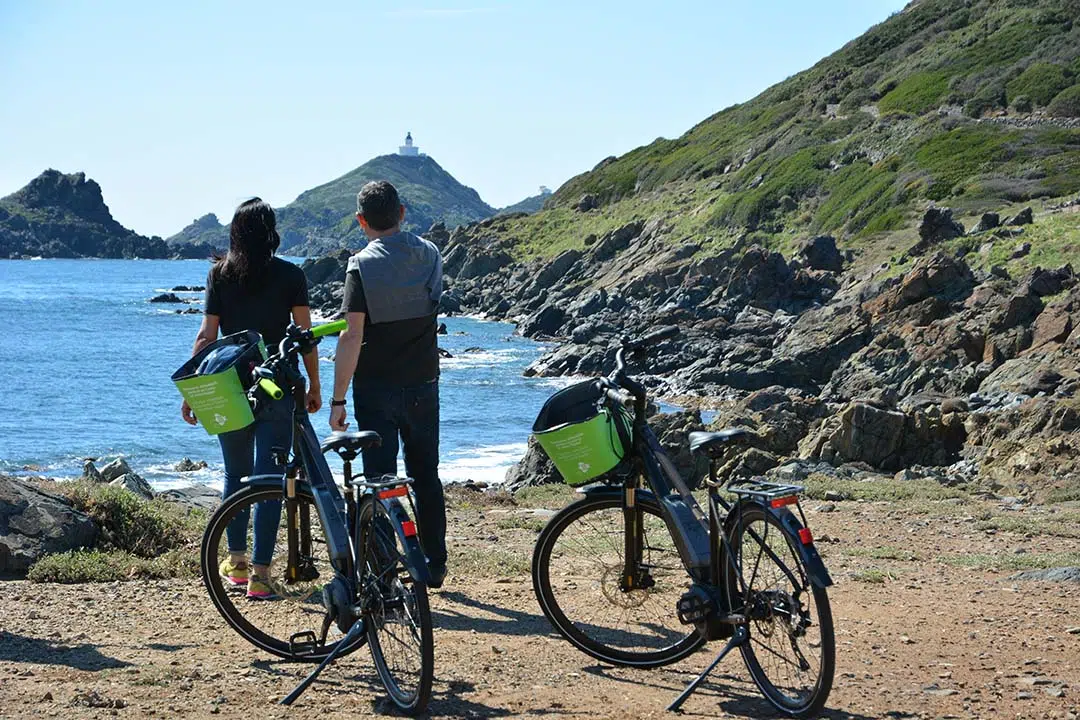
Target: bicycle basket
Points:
(579, 433)
(218, 395)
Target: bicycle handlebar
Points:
(620, 397)
(329, 328)
(271, 388)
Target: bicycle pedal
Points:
(303, 643)
(695, 606)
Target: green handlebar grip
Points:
(329, 328)
(271, 388)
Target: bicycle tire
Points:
(780, 602)
(223, 599)
(384, 579)
(688, 640)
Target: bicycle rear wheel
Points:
(395, 608)
(279, 626)
(577, 569)
(791, 652)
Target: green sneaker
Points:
(233, 573)
(260, 588)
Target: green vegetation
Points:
(136, 538)
(1066, 104)
(1013, 562)
(888, 490)
(1041, 83)
(873, 576)
(916, 94)
(554, 496)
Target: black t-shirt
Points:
(402, 353)
(265, 308)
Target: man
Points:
(390, 353)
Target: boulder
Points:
(484, 263)
(820, 253)
(1052, 326)
(136, 484)
(1024, 217)
(196, 497)
(189, 465)
(115, 469)
(438, 234)
(535, 468)
(547, 321)
(34, 523)
(166, 298)
(327, 268)
(937, 226)
(987, 222)
(762, 278)
(90, 472)
(1021, 250)
(868, 434)
(587, 202)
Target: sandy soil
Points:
(918, 635)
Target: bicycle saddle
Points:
(713, 444)
(349, 444)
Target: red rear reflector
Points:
(409, 528)
(805, 536)
(394, 492)
(782, 501)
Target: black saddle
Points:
(349, 444)
(713, 444)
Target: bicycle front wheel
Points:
(577, 571)
(290, 622)
(395, 608)
(791, 651)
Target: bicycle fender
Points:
(410, 542)
(815, 566)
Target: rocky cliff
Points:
(65, 216)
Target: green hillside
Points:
(531, 204)
(323, 219)
(969, 103)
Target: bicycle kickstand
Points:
(356, 629)
(738, 638)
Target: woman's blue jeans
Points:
(248, 452)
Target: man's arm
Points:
(302, 317)
(348, 352)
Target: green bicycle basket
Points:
(579, 433)
(219, 399)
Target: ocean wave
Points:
(487, 463)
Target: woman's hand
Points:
(189, 417)
(337, 419)
(313, 399)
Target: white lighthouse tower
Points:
(408, 149)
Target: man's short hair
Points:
(380, 205)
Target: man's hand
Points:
(313, 399)
(189, 416)
(337, 419)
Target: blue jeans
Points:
(248, 452)
(411, 414)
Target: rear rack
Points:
(765, 490)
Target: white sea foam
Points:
(487, 463)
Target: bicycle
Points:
(609, 569)
(354, 570)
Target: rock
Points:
(535, 468)
(136, 484)
(587, 202)
(547, 321)
(936, 227)
(820, 253)
(826, 508)
(188, 288)
(195, 497)
(166, 298)
(987, 222)
(1053, 325)
(1021, 250)
(1058, 574)
(1024, 217)
(327, 268)
(834, 496)
(869, 434)
(91, 473)
(188, 465)
(1019, 309)
(442, 329)
(115, 469)
(474, 349)
(762, 279)
(34, 523)
(555, 270)
(438, 234)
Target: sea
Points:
(86, 360)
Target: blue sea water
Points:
(85, 363)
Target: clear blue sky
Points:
(184, 108)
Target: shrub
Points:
(82, 566)
(1040, 82)
(1022, 103)
(1066, 103)
(917, 94)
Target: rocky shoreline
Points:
(928, 364)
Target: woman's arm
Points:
(302, 317)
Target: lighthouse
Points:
(408, 149)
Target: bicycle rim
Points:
(269, 624)
(791, 650)
(577, 569)
(396, 611)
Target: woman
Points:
(250, 289)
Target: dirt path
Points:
(918, 635)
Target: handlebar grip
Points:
(654, 337)
(271, 388)
(620, 396)
(329, 328)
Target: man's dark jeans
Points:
(411, 413)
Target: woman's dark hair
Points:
(253, 238)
